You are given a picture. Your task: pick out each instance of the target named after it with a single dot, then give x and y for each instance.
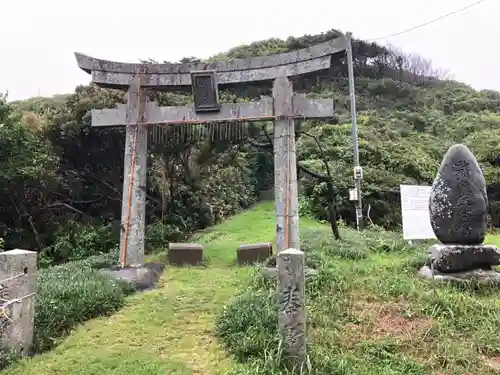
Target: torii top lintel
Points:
(163, 76)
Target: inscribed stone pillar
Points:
(18, 288)
(292, 313)
(285, 167)
(134, 185)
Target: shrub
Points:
(237, 327)
(158, 235)
(69, 295)
(76, 241)
(106, 260)
(316, 242)
(7, 356)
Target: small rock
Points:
(457, 258)
(143, 277)
(458, 202)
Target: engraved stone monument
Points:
(458, 207)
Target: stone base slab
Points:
(182, 254)
(459, 258)
(478, 275)
(254, 253)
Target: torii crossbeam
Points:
(138, 114)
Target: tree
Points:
(328, 179)
(27, 176)
(413, 66)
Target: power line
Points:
(430, 22)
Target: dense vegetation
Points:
(62, 179)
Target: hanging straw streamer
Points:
(216, 128)
(155, 134)
(194, 133)
(223, 131)
(177, 134)
(200, 132)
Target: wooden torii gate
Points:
(205, 78)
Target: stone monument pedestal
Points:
(481, 276)
(462, 263)
(458, 258)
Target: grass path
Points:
(167, 330)
(164, 331)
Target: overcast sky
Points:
(38, 38)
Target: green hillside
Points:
(61, 200)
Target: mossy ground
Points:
(372, 317)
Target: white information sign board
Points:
(415, 212)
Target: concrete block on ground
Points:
(182, 254)
(254, 253)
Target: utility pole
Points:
(358, 171)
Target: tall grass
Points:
(368, 313)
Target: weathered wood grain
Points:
(89, 64)
(134, 207)
(285, 170)
(248, 112)
(166, 81)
